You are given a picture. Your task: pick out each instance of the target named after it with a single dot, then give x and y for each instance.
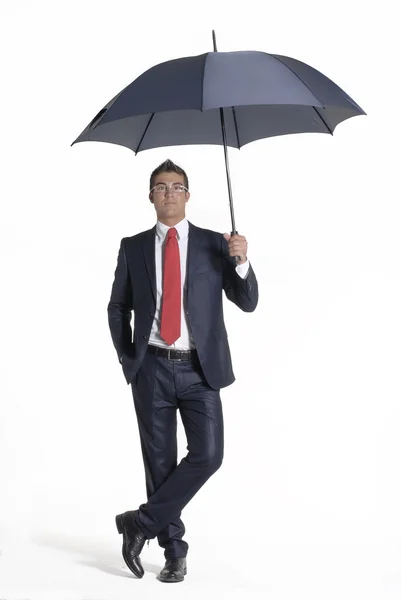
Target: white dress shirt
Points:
(186, 340)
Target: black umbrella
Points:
(228, 98)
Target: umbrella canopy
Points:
(228, 98)
(262, 95)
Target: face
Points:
(169, 205)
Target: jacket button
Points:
(145, 337)
(152, 314)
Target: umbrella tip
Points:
(214, 41)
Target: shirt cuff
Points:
(243, 269)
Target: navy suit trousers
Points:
(160, 387)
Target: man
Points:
(172, 277)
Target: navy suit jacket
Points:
(210, 269)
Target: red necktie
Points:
(170, 329)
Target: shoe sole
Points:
(120, 529)
(172, 580)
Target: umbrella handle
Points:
(237, 258)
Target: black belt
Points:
(171, 353)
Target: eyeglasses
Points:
(176, 188)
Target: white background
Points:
(307, 502)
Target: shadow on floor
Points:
(96, 553)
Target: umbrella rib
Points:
(236, 126)
(306, 85)
(144, 133)
(319, 115)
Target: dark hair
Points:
(168, 167)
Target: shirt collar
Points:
(181, 227)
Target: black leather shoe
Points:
(174, 570)
(133, 541)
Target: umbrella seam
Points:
(203, 79)
(144, 133)
(307, 86)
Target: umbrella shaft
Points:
(223, 131)
(230, 194)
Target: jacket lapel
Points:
(193, 253)
(148, 249)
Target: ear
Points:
(187, 196)
(151, 197)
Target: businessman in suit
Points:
(172, 277)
